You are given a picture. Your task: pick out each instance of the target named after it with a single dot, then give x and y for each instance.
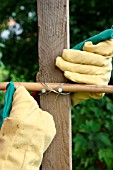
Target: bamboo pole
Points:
(65, 87)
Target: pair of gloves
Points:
(27, 131)
(89, 62)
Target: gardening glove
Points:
(93, 66)
(102, 36)
(25, 134)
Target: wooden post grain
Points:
(53, 37)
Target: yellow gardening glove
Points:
(93, 66)
(26, 134)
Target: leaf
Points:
(91, 168)
(0, 55)
(2, 45)
(109, 107)
(106, 154)
(80, 145)
(104, 138)
(90, 126)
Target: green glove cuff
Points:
(8, 98)
(104, 35)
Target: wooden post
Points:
(53, 37)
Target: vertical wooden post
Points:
(53, 37)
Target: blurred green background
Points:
(93, 119)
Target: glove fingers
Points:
(79, 97)
(104, 48)
(84, 57)
(81, 68)
(87, 79)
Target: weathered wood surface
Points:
(53, 37)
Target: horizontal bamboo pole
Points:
(65, 87)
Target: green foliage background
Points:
(93, 119)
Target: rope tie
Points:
(43, 91)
